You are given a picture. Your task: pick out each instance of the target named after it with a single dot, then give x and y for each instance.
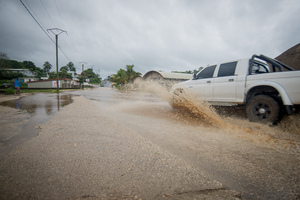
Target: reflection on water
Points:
(18, 104)
(40, 104)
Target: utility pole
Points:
(82, 73)
(56, 32)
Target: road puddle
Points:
(40, 104)
(22, 126)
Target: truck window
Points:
(227, 69)
(207, 72)
(259, 68)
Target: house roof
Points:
(170, 75)
(66, 79)
(13, 69)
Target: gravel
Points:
(83, 153)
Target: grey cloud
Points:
(165, 35)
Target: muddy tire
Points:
(264, 109)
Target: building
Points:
(52, 83)
(167, 78)
(27, 79)
(26, 72)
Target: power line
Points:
(59, 14)
(44, 30)
(33, 13)
(37, 22)
(57, 7)
(47, 12)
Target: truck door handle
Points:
(231, 80)
(208, 82)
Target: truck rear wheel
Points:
(263, 108)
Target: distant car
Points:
(5, 85)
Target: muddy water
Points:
(256, 159)
(39, 108)
(260, 161)
(190, 110)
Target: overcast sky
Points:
(167, 35)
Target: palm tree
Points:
(120, 78)
(47, 67)
(131, 73)
(123, 77)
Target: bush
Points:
(10, 91)
(24, 85)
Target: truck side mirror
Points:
(194, 76)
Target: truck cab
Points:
(239, 82)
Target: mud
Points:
(258, 160)
(188, 109)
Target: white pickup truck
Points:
(266, 86)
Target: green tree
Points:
(61, 74)
(71, 67)
(4, 56)
(3, 59)
(9, 75)
(64, 68)
(131, 74)
(120, 78)
(81, 80)
(52, 75)
(125, 76)
(11, 64)
(39, 72)
(65, 74)
(29, 65)
(89, 74)
(36, 70)
(47, 67)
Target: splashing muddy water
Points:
(260, 161)
(188, 109)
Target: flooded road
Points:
(28, 112)
(259, 161)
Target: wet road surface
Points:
(40, 107)
(249, 158)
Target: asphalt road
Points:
(111, 145)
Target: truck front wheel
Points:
(263, 108)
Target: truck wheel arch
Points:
(258, 90)
(271, 89)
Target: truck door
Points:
(224, 88)
(202, 85)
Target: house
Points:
(26, 72)
(27, 79)
(52, 83)
(167, 78)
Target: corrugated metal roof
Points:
(66, 79)
(170, 75)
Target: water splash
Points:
(189, 109)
